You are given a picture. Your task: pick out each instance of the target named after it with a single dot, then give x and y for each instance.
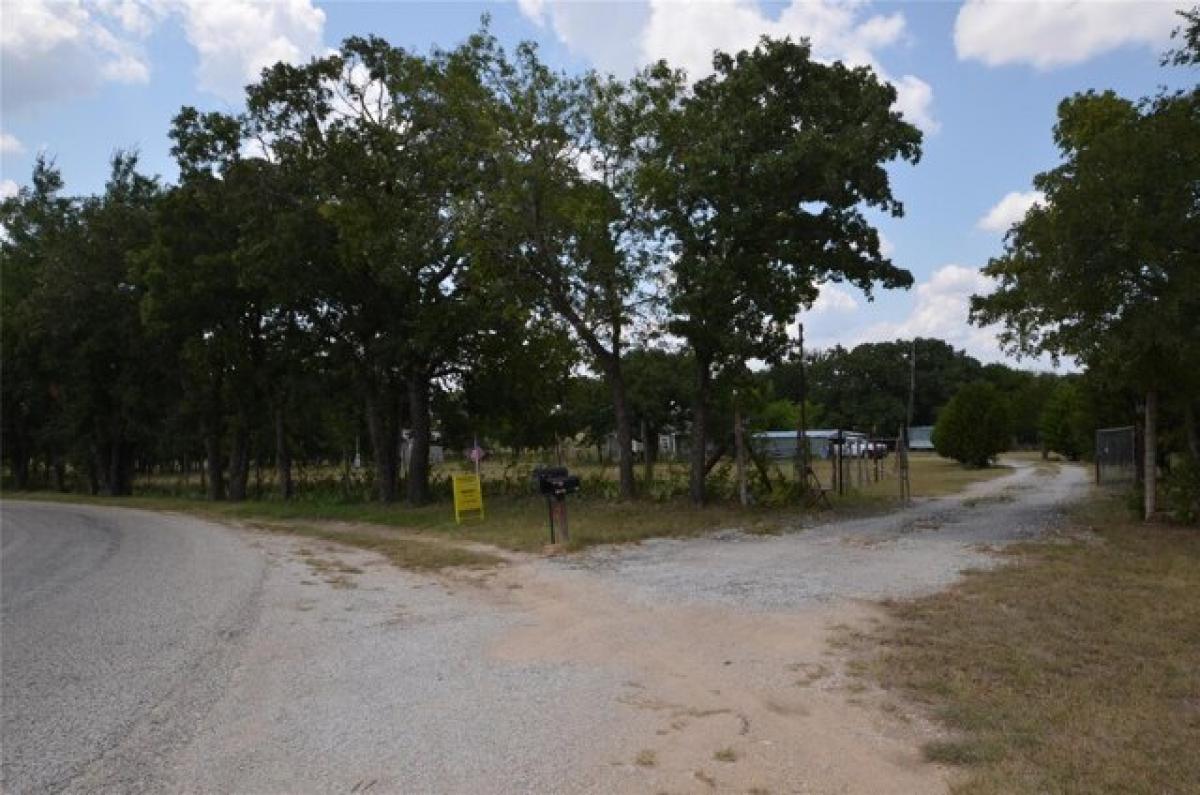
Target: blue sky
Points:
(981, 78)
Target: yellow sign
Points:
(468, 496)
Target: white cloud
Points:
(914, 98)
(886, 247)
(606, 34)
(940, 308)
(8, 188)
(1010, 210)
(834, 299)
(620, 37)
(10, 145)
(1050, 33)
(235, 39)
(53, 50)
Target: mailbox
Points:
(555, 483)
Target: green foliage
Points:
(974, 426)
(768, 202)
(1106, 269)
(1066, 425)
(1183, 490)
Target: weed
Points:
(726, 755)
(646, 758)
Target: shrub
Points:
(974, 426)
(1064, 425)
(1183, 490)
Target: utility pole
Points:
(905, 483)
(802, 451)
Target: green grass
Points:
(519, 523)
(1077, 669)
(513, 523)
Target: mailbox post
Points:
(555, 483)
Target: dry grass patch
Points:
(407, 553)
(1077, 669)
(725, 755)
(646, 758)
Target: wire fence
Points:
(1116, 455)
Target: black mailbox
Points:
(555, 483)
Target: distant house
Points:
(920, 437)
(782, 444)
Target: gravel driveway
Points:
(171, 654)
(902, 554)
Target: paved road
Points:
(112, 621)
(156, 653)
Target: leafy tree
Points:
(566, 221)
(765, 203)
(35, 223)
(1108, 269)
(233, 278)
(90, 308)
(1065, 425)
(395, 143)
(658, 395)
(866, 388)
(973, 427)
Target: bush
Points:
(974, 426)
(1183, 490)
(1064, 425)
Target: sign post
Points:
(476, 455)
(468, 496)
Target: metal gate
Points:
(1116, 454)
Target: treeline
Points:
(387, 237)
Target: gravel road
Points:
(149, 652)
(910, 552)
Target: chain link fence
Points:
(1116, 455)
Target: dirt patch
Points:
(406, 550)
(711, 694)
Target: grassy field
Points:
(520, 523)
(1075, 670)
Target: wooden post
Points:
(1150, 464)
(740, 451)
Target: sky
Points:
(982, 79)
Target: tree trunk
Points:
(18, 458)
(95, 462)
(616, 382)
(649, 453)
(739, 445)
(216, 470)
(1192, 428)
(283, 455)
(1151, 455)
(239, 463)
(382, 430)
(699, 434)
(118, 479)
(417, 488)
(59, 470)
